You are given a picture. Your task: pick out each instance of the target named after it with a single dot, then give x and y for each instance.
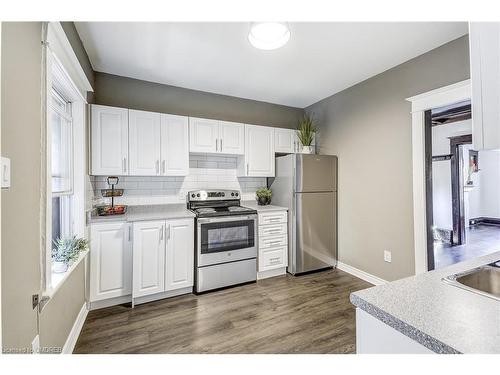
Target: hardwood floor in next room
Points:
(286, 314)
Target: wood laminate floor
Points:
(285, 314)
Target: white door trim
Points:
(440, 97)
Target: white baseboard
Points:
(361, 274)
(70, 343)
(271, 273)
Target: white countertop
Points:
(148, 212)
(440, 316)
(269, 207)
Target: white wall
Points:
(205, 172)
(489, 183)
(441, 171)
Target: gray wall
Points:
(21, 234)
(136, 94)
(21, 121)
(369, 127)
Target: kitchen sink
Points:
(484, 280)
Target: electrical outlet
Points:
(387, 256)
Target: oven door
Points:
(226, 239)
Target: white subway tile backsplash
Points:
(205, 172)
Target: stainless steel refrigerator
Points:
(307, 186)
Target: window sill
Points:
(58, 279)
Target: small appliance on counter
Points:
(107, 210)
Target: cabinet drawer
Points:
(272, 217)
(275, 258)
(272, 230)
(270, 242)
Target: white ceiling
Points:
(320, 59)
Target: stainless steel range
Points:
(225, 239)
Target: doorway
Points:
(456, 200)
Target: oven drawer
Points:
(273, 217)
(270, 242)
(272, 230)
(275, 258)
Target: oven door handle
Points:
(206, 220)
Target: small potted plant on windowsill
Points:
(306, 132)
(66, 251)
(264, 196)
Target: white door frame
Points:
(440, 97)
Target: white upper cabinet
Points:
(148, 258)
(259, 152)
(144, 143)
(285, 141)
(174, 145)
(213, 136)
(485, 80)
(231, 138)
(110, 261)
(203, 135)
(109, 135)
(179, 265)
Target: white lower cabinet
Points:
(273, 243)
(163, 256)
(149, 258)
(110, 261)
(179, 265)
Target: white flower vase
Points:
(59, 267)
(307, 149)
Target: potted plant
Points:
(305, 132)
(65, 251)
(263, 196)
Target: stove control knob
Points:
(236, 194)
(198, 195)
(192, 195)
(232, 194)
(223, 194)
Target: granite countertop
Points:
(440, 316)
(255, 206)
(148, 212)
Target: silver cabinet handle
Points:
(164, 166)
(221, 145)
(274, 231)
(247, 169)
(274, 242)
(169, 232)
(161, 233)
(129, 233)
(216, 144)
(124, 165)
(274, 260)
(157, 167)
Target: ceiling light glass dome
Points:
(269, 35)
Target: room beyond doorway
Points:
(463, 213)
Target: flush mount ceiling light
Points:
(269, 35)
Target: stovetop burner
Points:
(208, 203)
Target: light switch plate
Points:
(5, 172)
(387, 256)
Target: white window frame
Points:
(64, 72)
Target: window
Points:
(62, 145)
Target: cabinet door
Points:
(485, 79)
(144, 141)
(110, 261)
(174, 145)
(259, 151)
(231, 138)
(203, 135)
(180, 254)
(109, 128)
(149, 258)
(284, 141)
